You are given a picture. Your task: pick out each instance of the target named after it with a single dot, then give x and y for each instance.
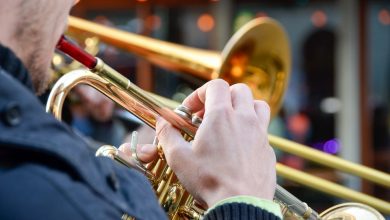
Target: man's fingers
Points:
(126, 148)
(200, 113)
(177, 151)
(212, 94)
(195, 101)
(146, 153)
(242, 98)
(263, 112)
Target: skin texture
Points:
(31, 29)
(230, 154)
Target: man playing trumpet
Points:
(47, 172)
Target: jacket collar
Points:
(13, 65)
(25, 126)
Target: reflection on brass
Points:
(255, 55)
(351, 211)
(127, 217)
(148, 108)
(173, 198)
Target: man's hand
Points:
(230, 154)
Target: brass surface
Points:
(147, 108)
(331, 188)
(259, 51)
(176, 201)
(330, 160)
(351, 211)
(257, 55)
(106, 80)
(163, 177)
(206, 64)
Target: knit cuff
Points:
(239, 211)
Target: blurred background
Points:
(338, 97)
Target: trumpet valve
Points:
(183, 112)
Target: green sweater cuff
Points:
(267, 205)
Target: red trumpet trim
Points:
(76, 53)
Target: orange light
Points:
(153, 22)
(319, 18)
(384, 17)
(261, 14)
(206, 22)
(142, 0)
(237, 71)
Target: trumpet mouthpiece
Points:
(76, 53)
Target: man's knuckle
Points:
(220, 83)
(240, 87)
(264, 105)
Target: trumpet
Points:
(172, 196)
(175, 200)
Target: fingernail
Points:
(147, 149)
(144, 149)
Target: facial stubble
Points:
(29, 34)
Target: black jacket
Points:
(48, 172)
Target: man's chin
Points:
(41, 83)
(41, 91)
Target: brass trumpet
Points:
(259, 40)
(146, 108)
(177, 202)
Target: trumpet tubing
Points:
(270, 60)
(176, 201)
(263, 64)
(237, 59)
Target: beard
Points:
(39, 71)
(34, 45)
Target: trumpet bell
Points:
(257, 55)
(351, 211)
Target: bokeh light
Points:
(330, 105)
(153, 22)
(206, 22)
(319, 18)
(331, 146)
(384, 16)
(242, 18)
